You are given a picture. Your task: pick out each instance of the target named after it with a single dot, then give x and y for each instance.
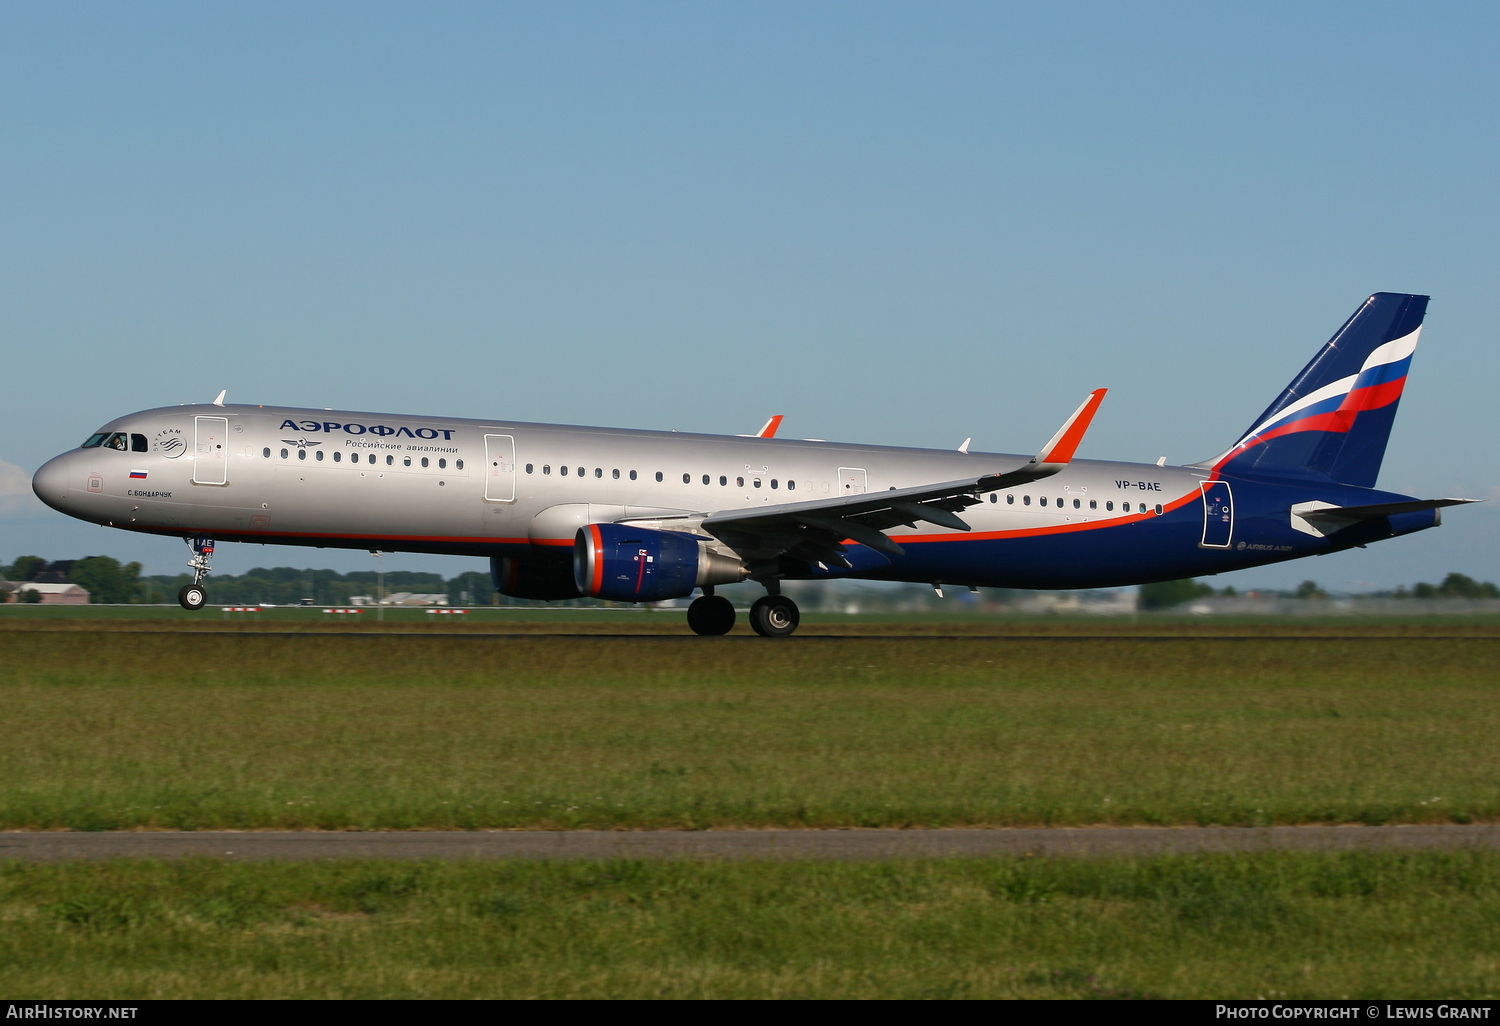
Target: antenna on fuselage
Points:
(219, 399)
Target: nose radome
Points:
(51, 483)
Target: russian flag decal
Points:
(138, 475)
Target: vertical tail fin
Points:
(1335, 417)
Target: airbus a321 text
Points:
(643, 516)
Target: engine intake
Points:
(635, 564)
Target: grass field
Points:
(1364, 926)
(112, 729)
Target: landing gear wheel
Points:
(774, 616)
(711, 614)
(192, 596)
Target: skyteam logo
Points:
(300, 443)
(378, 430)
(170, 443)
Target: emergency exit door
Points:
(1218, 514)
(210, 458)
(851, 481)
(500, 468)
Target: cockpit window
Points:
(116, 441)
(137, 443)
(95, 440)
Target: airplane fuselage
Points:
(499, 488)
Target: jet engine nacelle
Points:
(635, 564)
(547, 579)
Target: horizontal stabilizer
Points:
(1379, 509)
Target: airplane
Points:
(645, 516)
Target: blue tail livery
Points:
(563, 512)
(1333, 420)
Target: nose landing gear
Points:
(193, 596)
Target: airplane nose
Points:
(51, 483)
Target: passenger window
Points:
(739, 482)
(528, 466)
(775, 483)
(1010, 500)
(598, 472)
(615, 474)
(1043, 500)
(458, 464)
(580, 471)
(706, 479)
(302, 454)
(723, 481)
(424, 461)
(632, 475)
(1158, 509)
(546, 468)
(1143, 507)
(757, 482)
(283, 454)
(1059, 504)
(94, 441)
(563, 470)
(1026, 500)
(994, 497)
(267, 453)
(1093, 504)
(337, 456)
(791, 486)
(319, 455)
(406, 462)
(1076, 503)
(137, 443)
(1109, 506)
(687, 478)
(442, 464)
(658, 476)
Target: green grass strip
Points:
(1248, 926)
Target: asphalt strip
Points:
(52, 846)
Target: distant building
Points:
(52, 594)
(401, 598)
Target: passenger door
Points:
(1218, 514)
(500, 468)
(210, 462)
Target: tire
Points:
(711, 615)
(774, 616)
(192, 596)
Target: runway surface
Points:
(740, 844)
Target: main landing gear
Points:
(711, 615)
(772, 616)
(193, 596)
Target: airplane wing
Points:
(813, 532)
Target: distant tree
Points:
(1309, 590)
(1456, 585)
(25, 568)
(31, 595)
(105, 579)
(1166, 594)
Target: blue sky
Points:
(904, 224)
